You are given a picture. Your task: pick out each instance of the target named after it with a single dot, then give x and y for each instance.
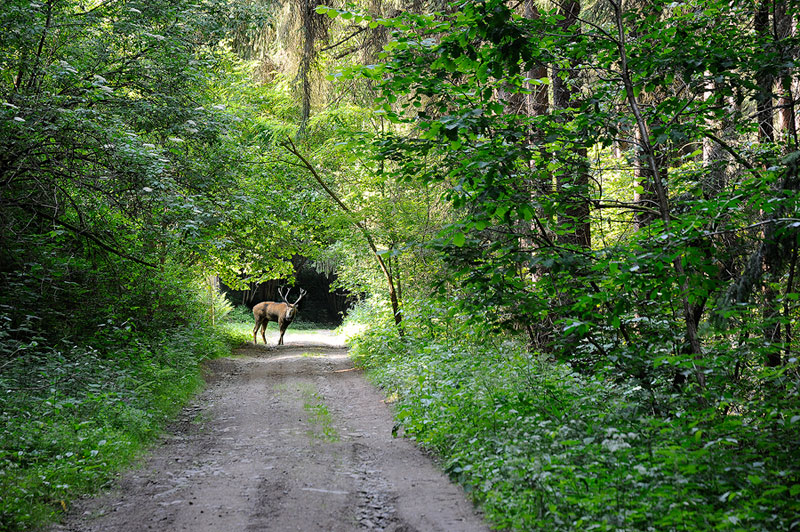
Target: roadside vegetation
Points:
(76, 409)
(118, 181)
(600, 332)
(540, 445)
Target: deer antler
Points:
(284, 295)
(302, 293)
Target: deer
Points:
(282, 313)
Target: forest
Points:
(572, 226)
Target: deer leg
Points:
(283, 330)
(255, 331)
(264, 330)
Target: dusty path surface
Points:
(282, 439)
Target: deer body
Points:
(282, 313)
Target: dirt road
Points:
(282, 439)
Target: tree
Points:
(573, 181)
(390, 281)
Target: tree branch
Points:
(357, 32)
(86, 234)
(739, 159)
(290, 146)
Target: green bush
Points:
(543, 447)
(73, 414)
(89, 383)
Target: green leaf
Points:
(754, 479)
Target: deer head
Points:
(291, 308)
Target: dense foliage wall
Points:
(645, 206)
(125, 185)
(622, 181)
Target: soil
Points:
(283, 438)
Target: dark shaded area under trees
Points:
(323, 303)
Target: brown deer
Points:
(282, 313)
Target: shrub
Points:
(74, 413)
(542, 446)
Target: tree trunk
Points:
(772, 259)
(312, 26)
(771, 311)
(764, 78)
(644, 192)
(573, 185)
(715, 158)
(786, 28)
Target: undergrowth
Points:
(73, 414)
(543, 447)
(88, 385)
